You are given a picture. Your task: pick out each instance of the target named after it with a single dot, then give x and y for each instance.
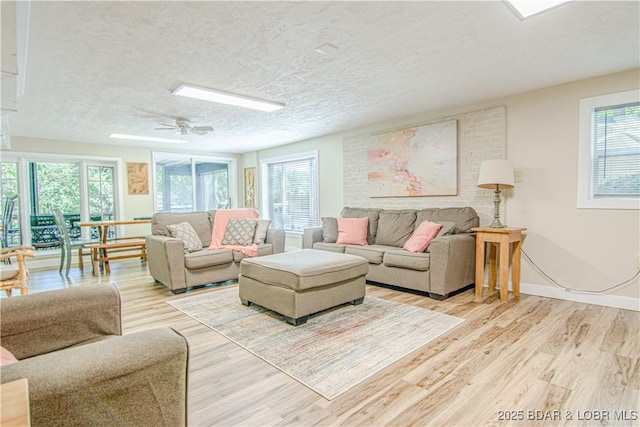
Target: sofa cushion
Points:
(240, 232)
(372, 253)
(207, 258)
(331, 247)
(371, 213)
(418, 261)
(422, 236)
(395, 227)
(185, 232)
(198, 220)
(329, 229)
(261, 231)
(465, 218)
(352, 231)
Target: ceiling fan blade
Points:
(203, 128)
(173, 128)
(198, 132)
(171, 125)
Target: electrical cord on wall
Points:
(566, 288)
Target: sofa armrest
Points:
(165, 258)
(135, 379)
(44, 322)
(453, 263)
(277, 239)
(310, 236)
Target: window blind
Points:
(616, 151)
(294, 193)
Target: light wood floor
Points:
(504, 361)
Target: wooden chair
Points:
(14, 276)
(66, 246)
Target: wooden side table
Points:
(14, 403)
(499, 239)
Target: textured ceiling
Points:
(96, 68)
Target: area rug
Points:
(335, 350)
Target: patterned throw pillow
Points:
(185, 232)
(239, 232)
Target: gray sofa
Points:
(178, 270)
(82, 371)
(447, 265)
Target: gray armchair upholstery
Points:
(82, 371)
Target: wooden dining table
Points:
(101, 251)
(103, 226)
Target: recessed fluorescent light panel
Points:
(227, 98)
(527, 8)
(146, 138)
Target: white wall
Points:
(584, 249)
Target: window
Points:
(609, 152)
(291, 191)
(186, 183)
(84, 188)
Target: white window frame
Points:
(265, 191)
(232, 168)
(585, 152)
(24, 158)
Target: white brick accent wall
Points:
(481, 136)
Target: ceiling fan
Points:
(183, 127)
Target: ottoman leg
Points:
(295, 322)
(245, 302)
(357, 301)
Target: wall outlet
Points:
(517, 175)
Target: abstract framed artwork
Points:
(250, 187)
(419, 161)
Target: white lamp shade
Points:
(496, 172)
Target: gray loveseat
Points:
(447, 265)
(178, 270)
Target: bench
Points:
(123, 247)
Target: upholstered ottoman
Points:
(298, 283)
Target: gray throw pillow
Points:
(185, 232)
(448, 227)
(329, 229)
(239, 232)
(261, 231)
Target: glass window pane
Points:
(8, 190)
(176, 178)
(293, 194)
(616, 151)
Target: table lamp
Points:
(495, 175)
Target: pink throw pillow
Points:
(353, 231)
(422, 236)
(221, 219)
(6, 357)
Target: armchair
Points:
(81, 369)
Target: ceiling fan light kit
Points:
(227, 98)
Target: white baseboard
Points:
(616, 301)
